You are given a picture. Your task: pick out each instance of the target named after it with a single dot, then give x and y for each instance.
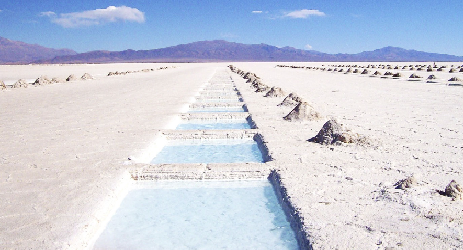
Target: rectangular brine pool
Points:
(216, 124)
(199, 215)
(217, 108)
(212, 151)
(218, 99)
(220, 93)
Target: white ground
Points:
(63, 149)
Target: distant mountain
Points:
(20, 52)
(206, 51)
(209, 51)
(213, 51)
(403, 55)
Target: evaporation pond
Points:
(214, 124)
(199, 215)
(217, 109)
(211, 100)
(209, 151)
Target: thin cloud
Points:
(308, 46)
(304, 13)
(257, 11)
(48, 14)
(96, 17)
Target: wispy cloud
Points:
(257, 11)
(96, 17)
(304, 13)
(308, 46)
(48, 14)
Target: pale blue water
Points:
(199, 215)
(218, 100)
(217, 109)
(215, 124)
(209, 151)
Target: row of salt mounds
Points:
(117, 73)
(21, 83)
(333, 133)
(452, 190)
(303, 112)
(44, 80)
(252, 78)
(291, 100)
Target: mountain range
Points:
(20, 53)
(206, 51)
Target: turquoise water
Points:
(199, 215)
(215, 124)
(209, 151)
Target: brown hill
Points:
(14, 52)
(217, 51)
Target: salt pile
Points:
(303, 112)
(275, 92)
(291, 100)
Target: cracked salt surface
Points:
(199, 215)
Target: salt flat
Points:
(65, 147)
(346, 194)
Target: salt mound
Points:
(262, 88)
(86, 76)
(454, 79)
(333, 133)
(365, 72)
(454, 190)
(406, 183)
(303, 112)
(21, 83)
(42, 80)
(256, 83)
(414, 76)
(452, 70)
(291, 100)
(275, 92)
(377, 73)
(388, 73)
(57, 80)
(397, 75)
(2, 85)
(71, 78)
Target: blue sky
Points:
(326, 26)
